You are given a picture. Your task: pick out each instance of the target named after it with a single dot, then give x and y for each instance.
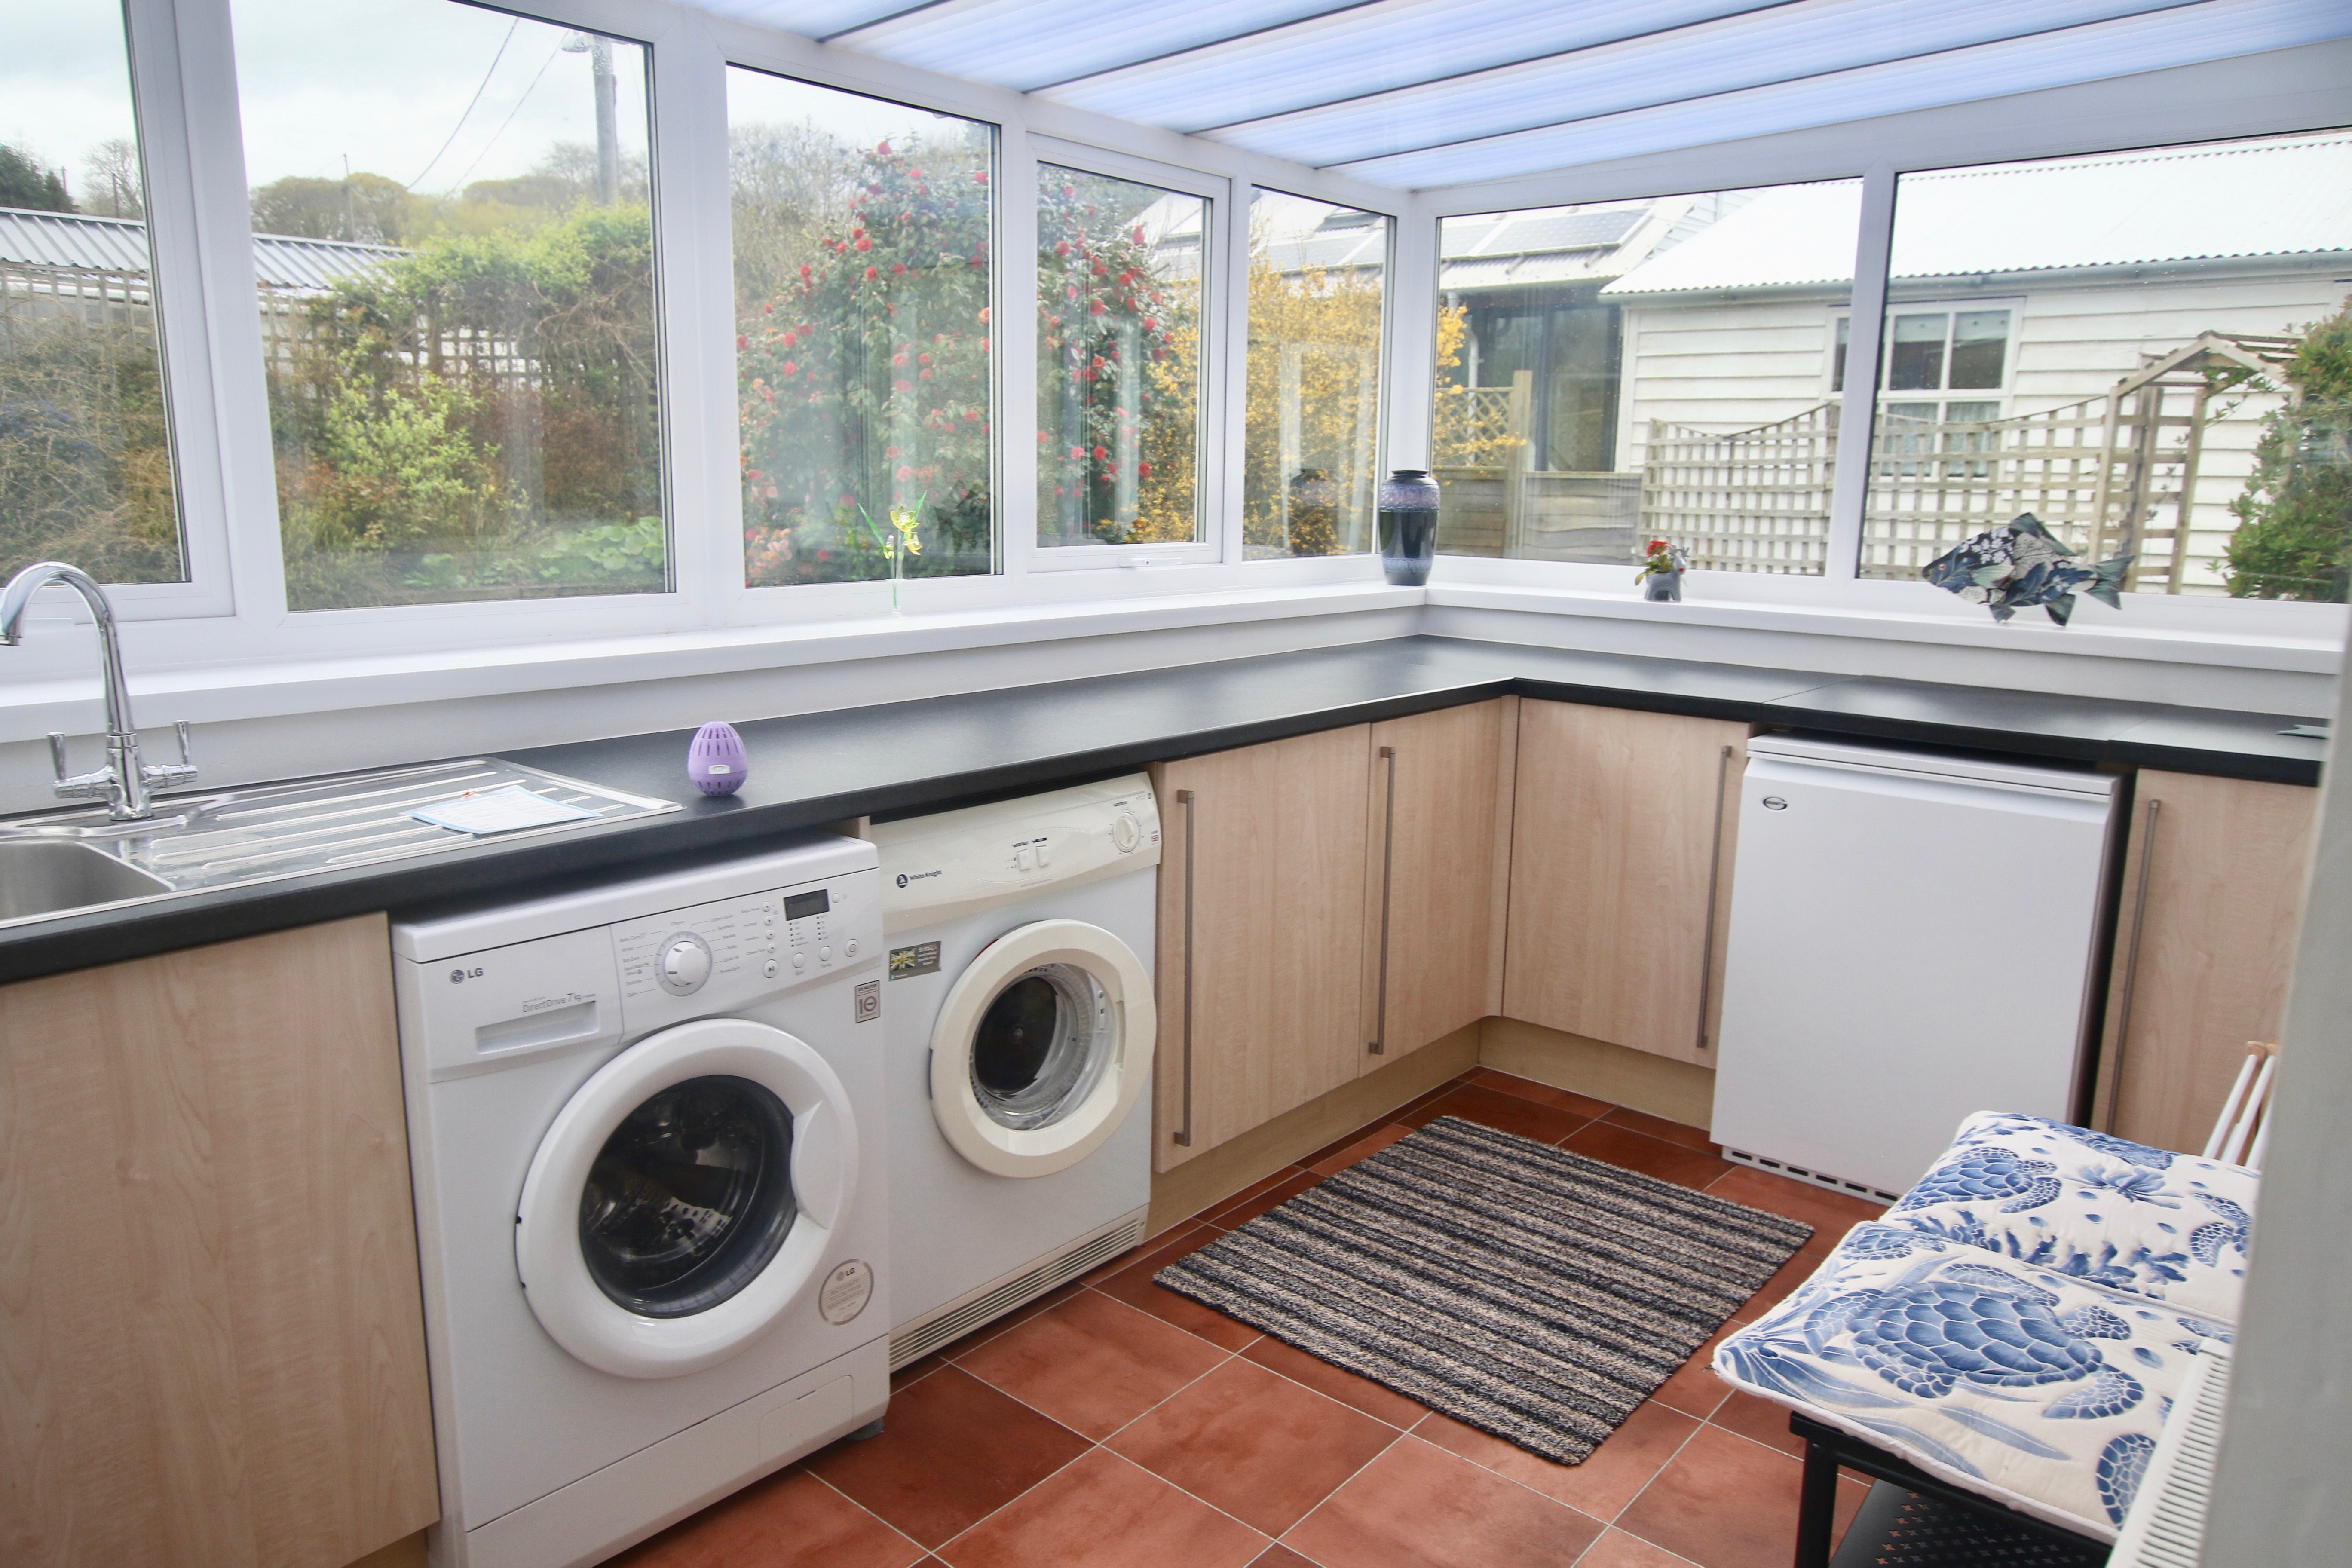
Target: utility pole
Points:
(350, 219)
(599, 50)
(608, 122)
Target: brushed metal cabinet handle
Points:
(1183, 1135)
(1379, 1045)
(1714, 887)
(2131, 961)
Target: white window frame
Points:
(228, 628)
(2012, 303)
(1219, 302)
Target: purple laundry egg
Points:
(716, 761)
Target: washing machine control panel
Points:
(688, 962)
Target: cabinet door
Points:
(1620, 847)
(2202, 966)
(1269, 853)
(210, 1323)
(1437, 847)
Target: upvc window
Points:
(1120, 337)
(2117, 345)
(864, 260)
(458, 313)
(1317, 318)
(86, 462)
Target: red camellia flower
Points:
(792, 368)
(897, 268)
(1142, 470)
(742, 343)
(922, 359)
(1149, 325)
(924, 375)
(1061, 248)
(768, 310)
(804, 269)
(1102, 454)
(980, 177)
(905, 474)
(891, 452)
(882, 149)
(791, 338)
(1096, 309)
(865, 242)
(1071, 289)
(902, 385)
(899, 358)
(754, 474)
(871, 274)
(1077, 454)
(983, 345)
(1041, 437)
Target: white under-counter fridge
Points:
(1913, 937)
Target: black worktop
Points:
(902, 757)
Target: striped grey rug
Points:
(1517, 1287)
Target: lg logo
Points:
(459, 976)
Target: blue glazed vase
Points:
(1408, 505)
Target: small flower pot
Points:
(1663, 587)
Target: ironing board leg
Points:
(1817, 1505)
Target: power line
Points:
(501, 131)
(471, 101)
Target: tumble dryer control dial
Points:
(1126, 833)
(685, 964)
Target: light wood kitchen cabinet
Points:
(1261, 934)
(2204, 953)
(1621, 851)
(1437, 867)
(211, 1334)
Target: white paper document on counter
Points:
(499, 811)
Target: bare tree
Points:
(112, 182)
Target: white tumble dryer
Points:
(644, 1117)
(1019, 1031)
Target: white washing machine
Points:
(1020, 1029)
(645, 1122)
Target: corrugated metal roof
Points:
(120, 245)
(2276, 197)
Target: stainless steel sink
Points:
(47, 877)
(59, 863)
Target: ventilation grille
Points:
(1818, 1178)
(2166, 1528)
(912, 1342)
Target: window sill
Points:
(285, 687)
(2096, 632)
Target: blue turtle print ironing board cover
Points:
(2033, 1363)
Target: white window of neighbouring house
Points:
(1119, 347)
(1628, 371)
(86, 463)
(453, 230)
(1317, 287)
(864, 246)
(2147, 350)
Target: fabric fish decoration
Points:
(2020, 564)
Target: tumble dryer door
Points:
(1042, 1049)
(686, 1196)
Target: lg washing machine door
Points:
(686, 1198)
(1042, 1049)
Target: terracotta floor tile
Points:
(1694, 1389)
(1259, 1446)
(1542, 1093)
(1759, 1419)
(1619, 1549)
(1659, 1127)
(1280, 1556)
(953, 1451)
(1263, 1185)
(1103, 1512)
(1417, 1505)
(1830, 1214)
(1611, 1476)
(1726, 1502)
(1371, 1142)
(1013, 1320)
(1270, 1197)
(915, 1370)
(1354, 1136)
(1507, 1112)
(1092, 1364)
(1634, 1151)
(1174, 1242)
(1336, 1383)
(1135, 1287)
(792, 1520)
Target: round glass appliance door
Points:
(689, 1197)
(1040, 1046)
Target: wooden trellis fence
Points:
(1752, 500)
